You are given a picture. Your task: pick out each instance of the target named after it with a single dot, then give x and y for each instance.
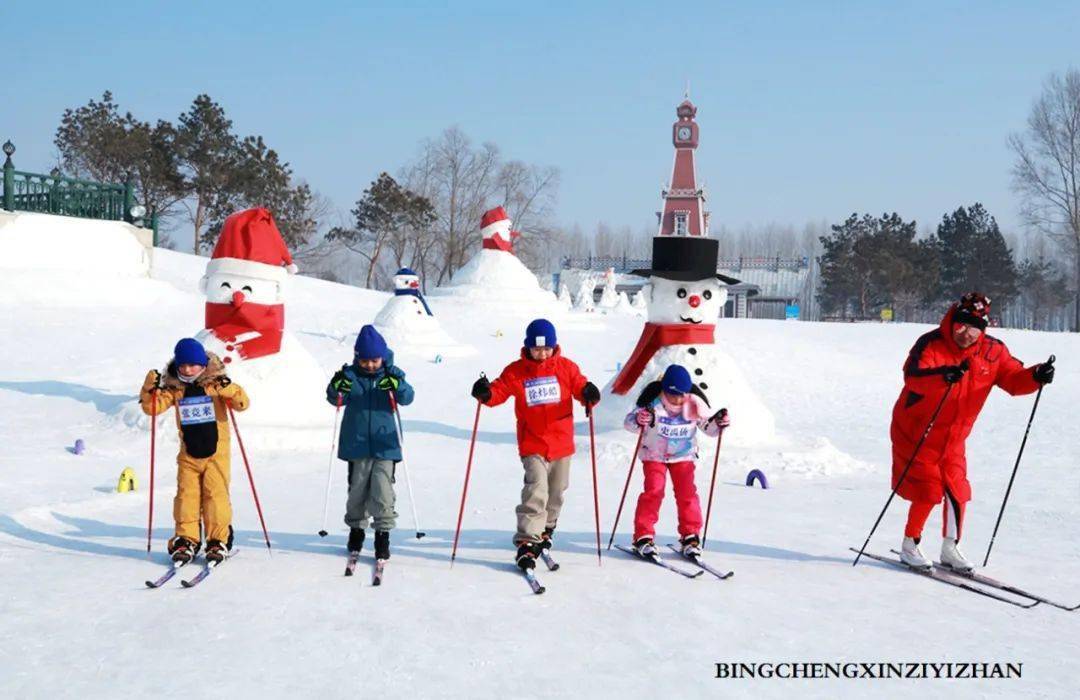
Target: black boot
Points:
(546, 537)
(216, 551)
(382, 544)
(182, 550)
(526, 555)
(356, 539)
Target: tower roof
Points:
(686, 109)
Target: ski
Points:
(552, 565)
(722, 575)
(199, 577)
(376, 578)
(950, 579)
(165, 577)
(1008, 588)
(210, 566)
(534, 583)
(350, 565)
(655, 559)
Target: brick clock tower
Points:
(684, 202)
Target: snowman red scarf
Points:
(653, 337)
(256, 329)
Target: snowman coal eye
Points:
(226, 285)
(246, 288)
(681, 293)
(707, 294)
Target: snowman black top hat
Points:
(685, 258)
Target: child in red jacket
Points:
(542, 384)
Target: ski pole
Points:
(153, 436)
(595, 489)
(465, 489)
(251, 479)
(903, 474)
(330, 467)
(1008, 490)
(404, 464)
(626, 486)
(712, 483)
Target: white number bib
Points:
(196, 409)
(675, 428)
(542, 390)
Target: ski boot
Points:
(356, 539)
(645, 547)
(911, 555)
(182, 550)
(526, 555)
(216, 551)
(690, 546)
(382, 544)
(952, 558)
(545, 538)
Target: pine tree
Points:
(975, 257)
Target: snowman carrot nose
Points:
(237, 298)
(694, 301)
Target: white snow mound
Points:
(408, 329)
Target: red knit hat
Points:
(973, 310)
(251, 245)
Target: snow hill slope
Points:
(76, 621)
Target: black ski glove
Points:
(1044, 373)
(954, 373)
(590, 394)
(481, 390)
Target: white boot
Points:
(953, 558)
(911, 555)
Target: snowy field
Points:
(76, 620)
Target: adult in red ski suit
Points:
(960, 354)
(542, 383)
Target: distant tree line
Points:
(197, 169)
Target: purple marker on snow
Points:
(759, 476)
(80, 446)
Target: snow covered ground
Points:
(76, 620)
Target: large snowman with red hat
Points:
(245, 287)
(685, 297)
(495, 277)
(409, 326)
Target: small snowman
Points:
(409, 326)
(686, 296)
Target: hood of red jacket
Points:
(947, 336)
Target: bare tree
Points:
(1047, 168)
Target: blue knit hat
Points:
(369, 344)
(676, 380)
(540, 334)
(190, 352)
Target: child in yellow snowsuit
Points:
(196, 384)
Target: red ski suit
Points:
(542, 392)
(941, 462)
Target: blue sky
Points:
(808, 111)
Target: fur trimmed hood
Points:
(215, 369)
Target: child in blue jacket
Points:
(368, 439)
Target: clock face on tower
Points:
(683, 133)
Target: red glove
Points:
(722, 418)
(644, 417)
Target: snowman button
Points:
(704, 385)
(698, 372)
(692, 351)
(227, 360)
(229, 348)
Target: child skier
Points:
(670, 412)
(195, 382)
(542, 383)
(368, 439)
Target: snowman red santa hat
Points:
(243, 285)
(686, 295)
(495, 228)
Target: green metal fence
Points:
(67, 196)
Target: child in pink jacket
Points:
(671, 412)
